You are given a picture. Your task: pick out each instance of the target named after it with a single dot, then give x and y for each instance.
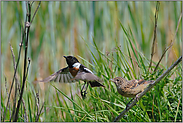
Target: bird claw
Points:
(83, 94)
(137, 97)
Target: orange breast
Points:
(73, 71)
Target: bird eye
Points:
(117, 79)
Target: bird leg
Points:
(85, 90)
(83, 93)
(82, 89)
(136, 97)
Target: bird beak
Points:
(65, 56)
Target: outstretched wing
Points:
(63, 76)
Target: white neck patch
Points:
(88, 70)
(76, 65)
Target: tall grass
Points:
(119, 45)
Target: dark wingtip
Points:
(96, 84)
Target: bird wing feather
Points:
(63, 76)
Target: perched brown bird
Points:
(130, 88)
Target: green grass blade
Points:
(73, 102)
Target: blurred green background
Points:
(73, 28)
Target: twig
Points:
(16, 83)
(27, 25)
(37, 104)
(177, 26)
(25, 116)
(32, 3)
(37, 117)
(147, 89)
(14, 63)
(14, 73)
(25, 61)
(35, 11)
(155, 26)
(27, 67)
(170, 44)
(162, 56)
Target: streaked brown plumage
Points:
(130, 88)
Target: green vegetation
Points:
(110, 38)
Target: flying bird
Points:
(73, 72)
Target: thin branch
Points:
(170, 44)
(25, 116)
(35, 11)
(147, 89)
(15, 72)
(25, 73)
(16, 83)
(14, 63)
(27, 7)
(37, 104)
(162, 56)
(28, 66)
(155, 26)
(32, 3)
(25, 62)
(37, 117)
(177, 26)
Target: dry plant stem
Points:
(170, 44)
(37, 104)
(147, 89)
(26, 116)
(32, 3)
(178, 26)
(35, 11)
(14, 73)
(27, 67)
(155, 26)
(16, 83)
(162, 57)
(37, 117)
(14, 63)
(25, 62)
(27, 28)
